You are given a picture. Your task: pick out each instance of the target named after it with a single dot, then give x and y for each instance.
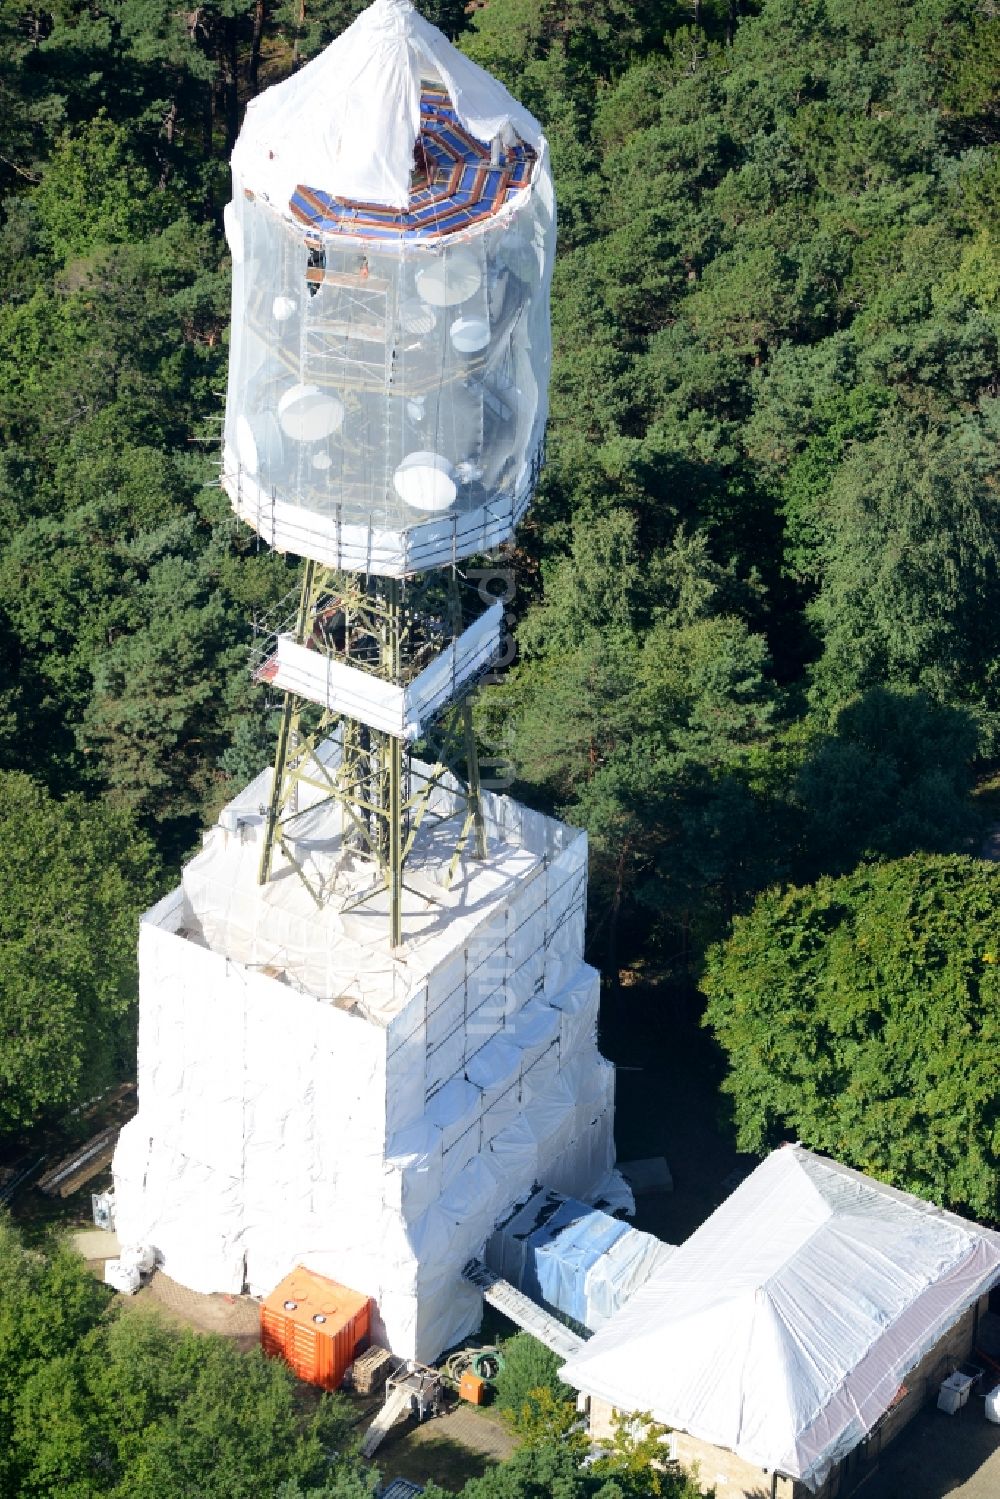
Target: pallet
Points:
(371, 1370)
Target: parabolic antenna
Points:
(309, 414)
(417, 317)
(450, 281)
(234, 233)
(470, 334)
(424, 481)
(246, 445)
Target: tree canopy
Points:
(73, 877)
(98, 1401)
(862, 1014)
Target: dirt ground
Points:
(941, 1457)
(450, 1449)
(235, 1317)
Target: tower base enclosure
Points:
(310, 1096)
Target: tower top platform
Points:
(346, 124)
(392, 232)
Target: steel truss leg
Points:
(373, 778)
(287, 735)
(471, 748)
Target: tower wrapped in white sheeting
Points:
(392, 231)
(360, 1046)
(309, 1095)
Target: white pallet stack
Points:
(309, 1096)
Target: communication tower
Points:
(366, 1026)
(392, 230)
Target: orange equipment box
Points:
(315, 1325)
(472, 1388)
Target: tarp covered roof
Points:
(346, 124)
(783, 1327)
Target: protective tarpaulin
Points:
(347, 122)
(356, 694)
(573, 1258)
(307, 1096)
(388, 381)
(783, 1328)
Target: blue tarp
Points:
(573, 1258)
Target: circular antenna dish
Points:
(319, 1317)
(426, 460)
(259, 444)
(291, 1306)
(282, 308)
(470, 334)
(308, 414)
(246, 445)
(417, 317)
(449, 281)
(322, 460)
(424, 481)
(234, 233)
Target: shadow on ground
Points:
(667, 1103)
(421, 1453)
(941, 1457)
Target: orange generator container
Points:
(315, 1325)
(472, 1387)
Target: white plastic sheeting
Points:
(401, 711)
(347, 122)
(573, 1257)
(366, 427)
(307, 1096)
(783, 1328)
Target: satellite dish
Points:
(470, 334)
(309, 414)
(246, 445)
(417, 317)
(282, 308)
(321, 460)
(424, 481)
(451, 280)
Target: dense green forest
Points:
(757, 598)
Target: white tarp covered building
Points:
(784, 1327)
(309, 1095)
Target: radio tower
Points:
(365, 1023)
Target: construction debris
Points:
(84, 1163)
